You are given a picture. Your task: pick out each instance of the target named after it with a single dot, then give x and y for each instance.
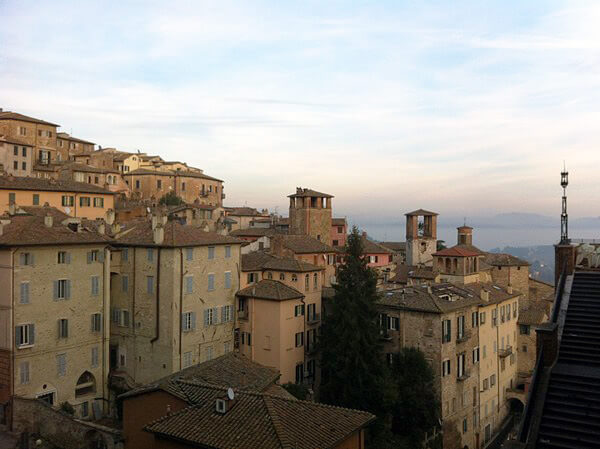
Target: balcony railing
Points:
(314, 318)
(465, 375)
(242, 314)
(461, 338)
(505, 352)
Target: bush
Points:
(170, 199)
(67, 408)
(299, 391)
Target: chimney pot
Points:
(12, 208)
(509, 289)
(159, 234)
(484, 295)
(101, 228)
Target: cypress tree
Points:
(353, 370)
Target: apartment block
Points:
(16, 156)
(173, 297)
(54, 309)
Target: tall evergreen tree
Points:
(353, 370)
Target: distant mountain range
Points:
(518, 220)
(540, 257)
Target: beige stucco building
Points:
(173, 296)
(279, 313)
(54, 310)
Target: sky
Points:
(465, 108)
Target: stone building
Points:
(54, 309)
(67, 145)
(310, 214)
(73, 198)
(107, 178)
(378, 257)
(279, 313)
(173, 296)
(16, 156)
(421, 237)
(243, 216)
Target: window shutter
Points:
(101, 256)
(21, 259)
(189, 284)
(31, 333)
(206, 317)
(216, 315)
(24, 293)
(68, 289)
(92, 326)
(18, 333)
(193, 320)
(68, 258)
(55, 289)
(223, 314)
(89, 257)
(31, 259)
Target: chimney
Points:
(509, 290)
(159, 234)
(48, 220)
(101, 228)
(484, 295)
(110, 216)
(154, 221)
(12, 209)
(116, 228)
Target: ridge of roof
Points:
(270, 289)
(10, 115)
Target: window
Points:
(210, 316)
(63, 257)
(211, 282)
(252, 278)
(227, 252)
(158, 184)
(476, 355)
(189, 254)
(94, 357)
(460, 363)
(492, 380)
(394, 323)
(98, 202)
(95, 256)
(96, 322)
(67, 200)
(137, 182)
(85, 409)
(95, 285)
(24, 372)
(464, 425)
(24, 151)
(335, 243)
(61, 364)
(183, 186)
(211, 252)
(62, 289)
(515, 309)
(299, 339)
(340, 229)
(485, 384)
(316, 281)
(282, 276)
(474, 319)
(306, 282)
(150, 284)
(16, 150)
(84, 201)
(226, 314)
(446, 331)
(460, 321)
(524, 348)
(446, 368)
(299, 310)
(26, 259)
(25, 335)
(24, 165)
(150, 255)
(125, 283)
(24, 299)
(125, 254)
(299, 373)
(189, 284)
(494, 317)
(188, 321)
(124, 318)
(187, 359)
(22, 131)
(294, 278)
(15, 167)
(63, 328)
(228, 279)
(36, 199)
(270, 275)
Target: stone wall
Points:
(59, 428)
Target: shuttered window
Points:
(24, 299)
(189, 284)
(211, 282)
(24, 335)
(61, 364)
(24, 372)
(63, 328)
(96, 322)
(62, 289)
(188, 321)
(189, 253)
(125, 283)
(150, 284)
(95, 285)
(228, 279)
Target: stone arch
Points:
(94, 440)
(515, 405)
(86, 384)
(448, 265)
(455, 265)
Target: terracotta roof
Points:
(182, 173)
(243, 211)
(121, 156)
(504, 260)
(29, 229)
(532, 316)
(258, 421)
(65, 136)
(49, 185)
(230, 370)
(14, 141)
(260, 260)
(394, 246)
(304, 244)
(254, 232)
(8, 115)
(338, 222)
(77, 166)
(139, 233)
(302, 193)
(497, 293)
(269, 289)
(174, 209)
(371, 247)
(421, 212)
(457, 251)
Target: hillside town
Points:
(140, 309)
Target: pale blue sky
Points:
(467, 108)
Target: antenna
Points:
(564, 217)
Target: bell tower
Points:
(421, 237)
(310, 214)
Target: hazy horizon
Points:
(465, 108)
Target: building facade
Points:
(310, 214)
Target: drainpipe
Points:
(133, 319)
(304, 334)
(180, 306)
(106, 319)
(498, 356)
(12, 371)
(157, 297)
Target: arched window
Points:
(316, 281)
(455, 265)
(448, 265)
(282, 276)
(306, 282)
(86, 384)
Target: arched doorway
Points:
(515, 405)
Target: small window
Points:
(24, 372)
(187, 359)
(211, 252)
(158, 184)
(227, 252)
(270, 275)
(137, 184)
(16, 150)
(294, 278)
(96, 322)
(211, 282)
(150, 284)
(524, 329)
(316, 281)
(124, 282)
(36, 199)
(84, 201)
(183, 186)
(282, 276)
(299, 339)
(299, 310)
(94, 361)
(125, 254)
(16, 165)
(306, 282)
(67, 200)
(446, 368)
(62, 289)
(98, 202)
(189, 253)
(24, 299)
(228, 279)
(61, 364)
(95, 287)
(25, 335)
(63, 328)
(12, 196)
(150, 255)
(189, 284)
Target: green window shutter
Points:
(193, 320)
(68, 290)
(89, 257)
(31, 333)
(68, 258)
(55, 290)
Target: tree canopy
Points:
(170, 199)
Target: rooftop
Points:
(49, 185)
(244, 211)
(271, 290)
(304, 244)
(459, 251)
(301, 193)
(504, 260)
(257, 421)
(371, 247)
(421, 212)
(182, 173)
(260, 260)
(9, 115)
(66, 136)
(394, 246)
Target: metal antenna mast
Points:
(564, 217)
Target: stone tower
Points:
(310, 214)
(421, 237)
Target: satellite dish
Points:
(230, 394)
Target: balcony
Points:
(461, 338)
(204, 193)
(242, 314)
(384, 335)
(505, 352)
(314, 318)
(464, 376)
